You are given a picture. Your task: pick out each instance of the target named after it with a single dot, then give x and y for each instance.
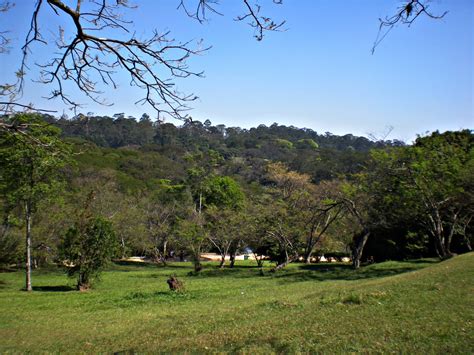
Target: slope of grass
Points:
(416, 307)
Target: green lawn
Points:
(411, 307)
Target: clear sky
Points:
(318, 74)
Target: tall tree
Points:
(30, 172)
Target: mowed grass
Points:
(421, 306)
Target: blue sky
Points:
(318, 74)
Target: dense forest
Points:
(291, 194)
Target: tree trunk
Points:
(438, 234)
(197, 265)
(28, 247)
(197, 261)
(308, 251)
(358, 248)
(165, 251)
(259, 261)
(468, 242)
(449, 238)
(283, 264)
(232, 259)
(122, 242)
(440, 245)
(83, 283)
(221, 264)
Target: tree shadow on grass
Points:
(425, 261)
(8, 269)
(331, 272)
(127, 266)
(293, 273)
(54, 288)
(138, 265)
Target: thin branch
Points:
(406, 15)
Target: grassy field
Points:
(411, 307)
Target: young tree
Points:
(309, 210)
(222, 200)
(193, 237)
(227, 229)
(31, 163)
(87, 247)
(319, 211)
(282, 216)
(161, 210)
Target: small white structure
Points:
(134, 259)
(218, 257)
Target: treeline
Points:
(164, 192)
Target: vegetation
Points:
(412, 307)
(174, 192)
(198, 188)
(79, 193)
(87, 248)
(30, 171)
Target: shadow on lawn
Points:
(135, 264)
(127, 266)
(293, 273)
(323, 272)
(53, 288)
(302, 272)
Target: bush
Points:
(87, 248)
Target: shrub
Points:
(87, 248)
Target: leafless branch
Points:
(405, 15)
(29, 107)
(90, 59)
(260, 23)
(201, 9)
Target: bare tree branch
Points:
(406, 15)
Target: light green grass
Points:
(403, 307)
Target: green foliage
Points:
(192, 237)
(31, 161)
(424, 188)
(31, 157)
(283, 143)
(86, 249)
(307, 143)
(222, 191)
(11, 248)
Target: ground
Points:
(421, 306)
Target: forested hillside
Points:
(323, 156)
